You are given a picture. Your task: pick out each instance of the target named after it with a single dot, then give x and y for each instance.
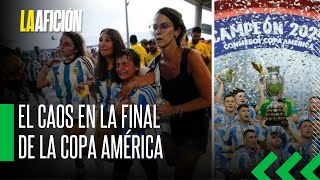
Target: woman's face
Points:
(66, 47)
(163, 31)
(105, 45)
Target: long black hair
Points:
(118, 45)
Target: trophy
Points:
(275, 114)
(227, 75)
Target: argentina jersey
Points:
(143, 96)
(104, 93)
(220, 160)
(243, 159)
(308, 115)
(285, 137)
(67, 76)
(220, 109)
(308, 151)
(31, 70)
(234, 133)
(221, 122)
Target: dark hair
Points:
(247, 131)
(176, 19)
(241, 106)
(314, 97)
(78, 42)
(236, 91)
(303, 121)
(196, 30)
(152, 41)
(133, 56)
(228, 95)
(144, 42)
(118, 45)
(275, 133)
(133, 39)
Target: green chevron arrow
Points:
(258, 171)
(307, 171)
(283, 171)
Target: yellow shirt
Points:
(151, 55)
(203, 49)
(141, 51)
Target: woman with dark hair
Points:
(185, 83)
(67, 76)
(110, 47)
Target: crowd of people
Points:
(160, 68)
(242, 138)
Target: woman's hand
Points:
(166, 109)
(126, 90)
(52, 63)
(118, 106)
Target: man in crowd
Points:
(138, 49)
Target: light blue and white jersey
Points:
(66, 76)
(244, 158)
(221, 122)
(32, 69)
(285, 137)
(220, 109)
(282, 158)
(104, 93)
(307, 115)
(144, 95)
(234, 133)
(220, 160)
(308, 151)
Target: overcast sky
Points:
(100, 14)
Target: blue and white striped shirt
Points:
(234, 133)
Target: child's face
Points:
(125, 68)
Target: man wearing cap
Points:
(200, 46)
(153, 51)
(138, 49)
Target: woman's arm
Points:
(202, 79)
(41, 80)
(138, 81)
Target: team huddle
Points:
(242, 138)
